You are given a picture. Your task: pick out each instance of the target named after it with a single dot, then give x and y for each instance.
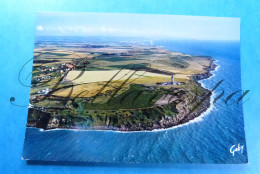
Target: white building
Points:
(172, 78)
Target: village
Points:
(50, 72)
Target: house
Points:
(30, 105)
(70, 66)
(168, 83)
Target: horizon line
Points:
(137, 37)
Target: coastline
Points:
(194, 117)
(184, 117)
(195, 120)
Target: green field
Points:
(111, 86)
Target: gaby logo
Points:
(234, 149)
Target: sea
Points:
(213, 137)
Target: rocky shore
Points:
(185, 113)
(183, 116)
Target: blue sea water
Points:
(207, 139)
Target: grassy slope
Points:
(125, 107)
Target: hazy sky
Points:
(138, 25)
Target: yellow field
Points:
(84, 90)
(90, 89)
(92, 81)
(104, 76)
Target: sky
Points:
(138, 25)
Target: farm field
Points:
(115, 86)
(115, 75)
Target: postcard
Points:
(136, 88)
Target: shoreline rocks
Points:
(184, 114)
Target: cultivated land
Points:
(125, 87)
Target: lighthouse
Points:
(172, 80)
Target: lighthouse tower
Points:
(172, 78)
